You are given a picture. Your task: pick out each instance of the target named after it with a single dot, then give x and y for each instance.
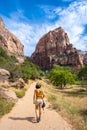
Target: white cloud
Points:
(50, 11)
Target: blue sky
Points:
(29, 20)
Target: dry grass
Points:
(70, 102)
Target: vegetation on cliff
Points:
(26, 70)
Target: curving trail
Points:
(22, 116)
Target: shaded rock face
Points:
(10, 43)
(84, 56)
(85, 59)
(55, 48)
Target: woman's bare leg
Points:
(39, 111)
(36, 111)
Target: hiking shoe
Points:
(38, 119)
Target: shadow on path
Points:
(31, 119)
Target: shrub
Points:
(20, 93)
(6, 61)
(3, 53)
(5, 107)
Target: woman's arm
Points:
(34, 97)
(43, 95)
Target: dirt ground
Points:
(22, 116)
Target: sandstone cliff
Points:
(55, 48)
(85, 59)
(10, 43)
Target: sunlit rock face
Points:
(10, 43)
(55, 48)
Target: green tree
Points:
(82, 74)
(61, 77)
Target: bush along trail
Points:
(22, 116)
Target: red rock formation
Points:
(84, 56)
(85, 59)
(10, 43)
(55, 48)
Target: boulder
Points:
(5, 84)
(8, 95)
(18, 84)
(4, 75)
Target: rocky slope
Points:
(10, 43)
(55, 48)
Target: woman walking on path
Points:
(38, 100)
